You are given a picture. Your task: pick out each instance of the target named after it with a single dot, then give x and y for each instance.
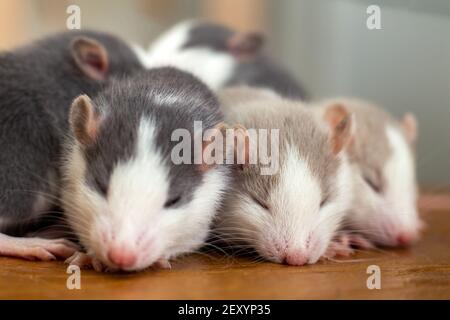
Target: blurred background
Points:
(405, 66)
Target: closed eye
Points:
(172, 201)
(101, 186)
(261, 203)
(324, 201)
(374, 186)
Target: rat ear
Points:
(230, 146)
(83, 120)
(91, 57)
(342, 125)
(409, 126)
(245, 45)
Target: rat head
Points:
(124, 196)
(382, 158)
(291, 216)
(199, 47)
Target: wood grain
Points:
(421, 272)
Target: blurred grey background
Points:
(404, 67)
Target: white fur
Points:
(383, 217)
(401, 193)
(141, 54)
(171, 41)
(174, 99)
(213, 68)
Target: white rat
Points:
(292, 215)
(384, 210)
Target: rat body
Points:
(220, 57)
(384, 209)
(37, 84)
(123, 194)
(290, 216)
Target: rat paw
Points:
(340, 246)
(359, 241)
(84, 260)
(36, 248)
(163, 264)
(343, 245)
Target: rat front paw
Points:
(36, 248)
(340, 246)
(84, 260)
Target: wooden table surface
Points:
(421, 272)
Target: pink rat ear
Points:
(245, 45)
(342, 125)
(234, 146)
(90, 57)
(409, 126)
(83, 120)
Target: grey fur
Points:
(259, 71)
(37, 85)
(298, 129)
(370, 149)
(125, 102)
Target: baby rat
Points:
(129, 201)
(290, 216)
(384, 209)
(220, 57)
(37, 83)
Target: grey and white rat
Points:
(220, 57)
(384, 210)
(132, 205)
(37, 84)
(290, 216)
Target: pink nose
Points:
(404, 239)
(296, 258)
(122, 257)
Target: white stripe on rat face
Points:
(308, 227)
(298, 196)
(212, 67)
(139, 186)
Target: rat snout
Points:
(295, 258)
(406, 238)
(122, 256)
(403, 239)
(397, 237)
(297, 253)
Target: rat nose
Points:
(295, 258)
(404, 239)
(122, 257)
